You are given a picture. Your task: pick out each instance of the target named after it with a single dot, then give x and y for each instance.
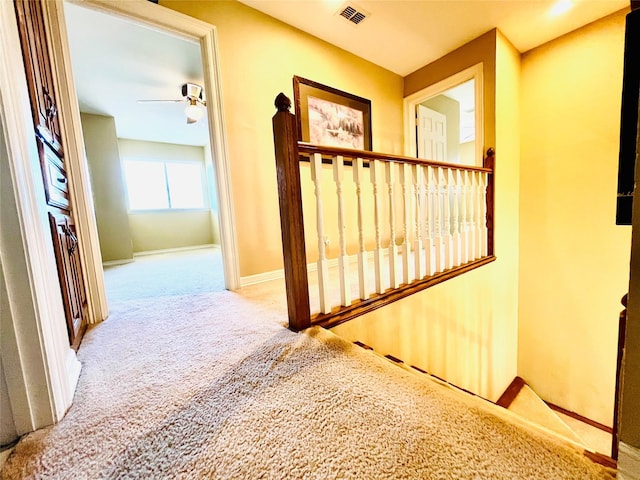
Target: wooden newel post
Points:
(622, 333)
(285, 139)
(490, 162)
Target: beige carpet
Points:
(212, 386)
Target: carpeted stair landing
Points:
(213, 386)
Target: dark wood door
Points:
(46, 119)
(65, 245)
(37, 63)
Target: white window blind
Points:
(154, 185)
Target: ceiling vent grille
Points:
(353, 13)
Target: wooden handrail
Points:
(308, 148)
(343, 314)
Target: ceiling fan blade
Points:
(160, 101)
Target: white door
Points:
(431, 134)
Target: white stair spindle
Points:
(393, 249)
(471, 212)
(455, 221)
(323, 269)
(429, 223)
(405, 181)
(343, 259)
(437, 228)
(464, 230)
(418, 189)
(363, 274)
(482, 214)
(376, 179)
(447, 240)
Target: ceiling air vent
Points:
(353, 13)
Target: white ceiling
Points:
(404, 35)
(116, 62)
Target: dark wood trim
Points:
(601, 459)
(490, 163)
(622, 333)
(343, 314)
(309, 149)
(419, 370)
(510, 394)
(635, 4)
(285, 138)
(394, 359)
(577, 416)
(363, 345)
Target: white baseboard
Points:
(174, 250)
(311, 267)
(73, 367)
(261, 277)
(113, 263)
(628, 462)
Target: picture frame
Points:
(330, 117)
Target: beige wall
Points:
(7, 428)
(468, 153)
(165, 229)
(259, 57)
(465, 330)
(574, 260)
(107, 184)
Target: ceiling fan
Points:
(192, 94)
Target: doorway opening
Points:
(444, 122)
(118, 66)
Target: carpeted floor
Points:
(166, 274)
(211, 385)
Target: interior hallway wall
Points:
(167, 229)
(574, 260)
(258, 58)
(107, 185)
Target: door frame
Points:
(410, 102)
(169, 21)
(42, 371)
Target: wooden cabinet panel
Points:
(54, 175)
(35, 53)
(65, 244)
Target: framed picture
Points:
(330, 117)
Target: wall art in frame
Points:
(330, 117)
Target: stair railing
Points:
(401, 224)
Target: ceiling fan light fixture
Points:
(193, 111)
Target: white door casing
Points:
(411, 102)
(431, 134)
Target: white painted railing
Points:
(427, 218)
